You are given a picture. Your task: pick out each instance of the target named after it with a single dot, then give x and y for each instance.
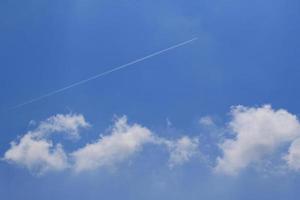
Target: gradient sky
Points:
(247, 53)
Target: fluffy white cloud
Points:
(293, 156)
(182, 150)
(257, 132)
(124, 141)
(69, 124)
(38, 155)
(36, 152)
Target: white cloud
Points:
(182, 150)
(293, 156)
(206, 121)
(124, 141)
(258, 132)
(69, 124)
(37, 153)
(38, 156)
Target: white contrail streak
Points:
(103, 73)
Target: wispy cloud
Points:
(182, 150)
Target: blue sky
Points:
(185, 136)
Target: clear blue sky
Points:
(247, 54)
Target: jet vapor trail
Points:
(103, 74)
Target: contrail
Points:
(103, 74)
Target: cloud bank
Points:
(257, 134)
(38, 153)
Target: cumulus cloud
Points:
(38, 155)
(182, 150)
(257, 132)
(37, 152)
(293, 156)
(124, 141)
(69, 124)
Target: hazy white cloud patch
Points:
(182, 150)
(293, 156)
(206, 121)
(257, 133)
(36, 151)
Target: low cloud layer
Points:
(36, 151)
(257, 134)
